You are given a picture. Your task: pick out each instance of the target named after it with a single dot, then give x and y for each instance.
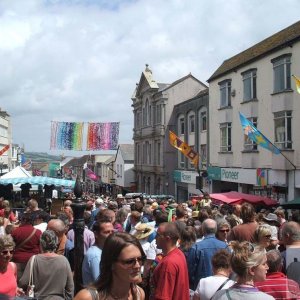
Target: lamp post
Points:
(78, 207)
(1, 168)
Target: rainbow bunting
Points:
(103, 136)
(66, 135)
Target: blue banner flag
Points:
(256, 136)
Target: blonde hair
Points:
(261, 231)
(245, 256)
(6, 241)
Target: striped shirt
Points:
(279, 286)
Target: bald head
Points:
(291, 232)
(209, 226)
(58, 226)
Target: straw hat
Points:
(143, 230)
(154, 205)
(195, 213)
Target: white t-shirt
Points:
(208, 286)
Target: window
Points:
(158, 153)
(192, 123)
(249, 144)
(283, 129)
(121, 171)
(225, 93)
(249, 80)
(203, 120)
(146, 113)
(282, 73)
(181, 126)
(3, 131)
(158, 113)
(182, 159)
(225, 137)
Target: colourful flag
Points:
(4, 149)
(297, 81)
(27, 164)
(184, 148)
(90, 174)
(256, 136)
(66, 135)
(103, 136)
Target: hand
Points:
(20, 292)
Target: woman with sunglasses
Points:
(8, 269)
(223, 229)
(121, 261)
(250, 265)
(262, 237)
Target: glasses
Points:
(5, 252)
(224, 230)
(132, 261)
(268, 236)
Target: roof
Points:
(281, 39)
(180, 80)
(17, 172)
(127, 152)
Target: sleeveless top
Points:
(8, 281)
(95, 295)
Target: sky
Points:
(79, 61)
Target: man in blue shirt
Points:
(92, 258)
(199, 257)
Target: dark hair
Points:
(160, 217)
(97, 225)
(180, 211)
(221, 259)
(113, 246)
(274, 261)
(247, 213)
(87, 217)
(188, 238)
(105, 215)
(171, 230)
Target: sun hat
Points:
(143, 230)
(195, 213)
(272, 218)
(120, 196)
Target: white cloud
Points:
(80, 60)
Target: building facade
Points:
(190, 119)
(5, 139)
(258, 83)
(124, 174)
(153, 105)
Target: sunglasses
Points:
(132, 261)
(268, 236)
(224, 230)
(5, 252)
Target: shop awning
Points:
(39, 180)
(239, 198)
(292, 204)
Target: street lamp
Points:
(1, 168)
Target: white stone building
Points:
(153, 104)
(258, 83)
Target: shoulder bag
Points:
(30, 288)
(26, 240)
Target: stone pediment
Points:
(146, 82)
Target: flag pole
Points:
(288, 160)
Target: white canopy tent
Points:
(17, 172)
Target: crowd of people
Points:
(151, 249)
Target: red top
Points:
(8, 281)
(170, 277)
(31, 247)
(11, 217)
(279, 286)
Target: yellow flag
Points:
(297, 81)
(184, 148)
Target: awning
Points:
(39, 180)
(292, 204)
(239, 198)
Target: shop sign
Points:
(214, 173)
(185, 176)
(239, 175)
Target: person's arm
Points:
(95, 267)
(196, 297)
(69, 288)
(24, 280)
